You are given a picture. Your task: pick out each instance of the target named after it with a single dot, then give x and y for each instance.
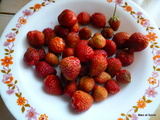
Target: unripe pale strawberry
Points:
(102, 77)
(97, 41)
(86, 84)
(99, 93)
(70, 67)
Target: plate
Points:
(22, 91)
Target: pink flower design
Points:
(157, 61)
(27, 13)
(11, 35)
(6, 43)
(158, 52)
(18, 25)
(139, 13)
(10, 91)
(151, 92)
(6, 77)
(119, 2)
(134, 117)
(31, 114)
(155, 74)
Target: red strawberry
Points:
(110, 47)
(107, 32)
(70, 88)
(114, 66)
(123, 77)
(97, 41)
(43, 69)
(56, 45)
(68, 52)
(53, 85)
(98, 65)
(114, 22)
(85, 33)
(49, 33)
(83, 52)
(86, 84)
(125, 57)
(61, 31)
(67, 18)
(120, 38)
(70, 67)
(75, 28)
(83, 18)
(72, 39)
(100, 51)
(81, 101)
(99, 93)
(31, 56)
(98, 20)
(35, 38)
(112, 86)
(137, 42)
(41, 53)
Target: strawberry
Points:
(75, 28)
(72, 39)
(98, 20)
(70, 88)
(100, 51)
(86, 84)
(97, 41)
(68, 52)
(81, 101)
(125, 57)
(83, 18)
(120, 38)
(43, 69)
(56, 45)
(53, 85)
(107, 32)
(98, 65)
(67, 18)
(110, 47)
(41, 53)
(83, 52)
(99, 93)
(114, 66)
(123, 76)
(85, 33)
(61, 31)
(102, 77)
(114, 22)
(31, 56)
(70, 67)
(112, 86)
(49, 33)
(137, 42)
(35, 38)
(51, 59)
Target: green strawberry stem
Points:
(115, 10)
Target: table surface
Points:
(8, 8)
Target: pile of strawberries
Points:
(91, 66)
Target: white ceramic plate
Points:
(22, 91)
